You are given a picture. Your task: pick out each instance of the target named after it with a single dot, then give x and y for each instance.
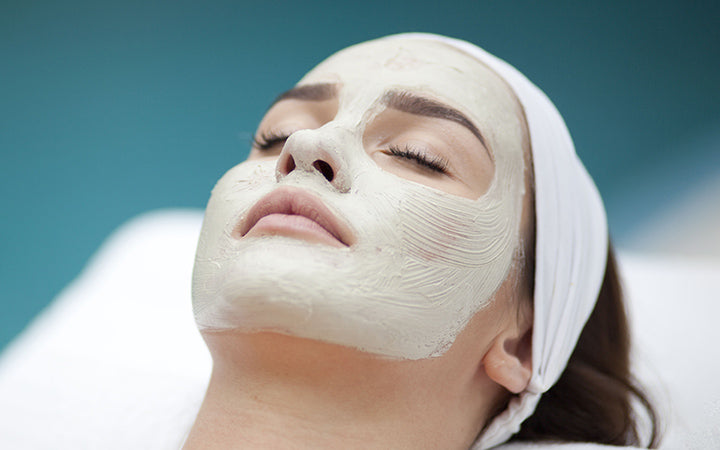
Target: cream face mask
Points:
(394, 260)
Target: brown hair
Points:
(593, 399)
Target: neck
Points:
(274, 391)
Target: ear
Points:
(508, 362)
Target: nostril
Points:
(288, 165)
(325, 169)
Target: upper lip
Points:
(295, 201)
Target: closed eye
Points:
(267, 140)
(433, 163)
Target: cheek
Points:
(432, 242)
(231, 198)
(246, 178)
(460, 232)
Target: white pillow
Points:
(674, 306)
(115, 362)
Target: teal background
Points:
(110, 109)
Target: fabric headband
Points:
(571, 242)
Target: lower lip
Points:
(293, 226)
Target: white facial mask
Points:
(423, 262)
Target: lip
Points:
(295, 212)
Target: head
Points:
(402, 171)
(387, 210)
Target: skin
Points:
(270, 390)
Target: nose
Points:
(307, 152)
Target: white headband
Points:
(571, 242)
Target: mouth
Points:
(295, 213)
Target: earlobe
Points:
(508, 362)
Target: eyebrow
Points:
(313, 92)
(422, 106)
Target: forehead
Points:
(426, 67)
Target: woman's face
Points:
(379, 208)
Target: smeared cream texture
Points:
(424, 261)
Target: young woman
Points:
(407, 259)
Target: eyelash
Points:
(269, 139)
(434, 163)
